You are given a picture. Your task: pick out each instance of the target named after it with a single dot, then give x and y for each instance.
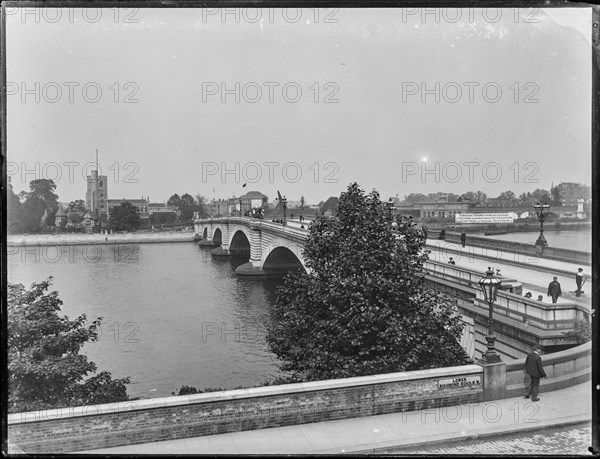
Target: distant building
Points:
(570, 192)
(67, 220)
(253, 200)
(142, 205)
(218, 208)
(96, 196)
(444, 209)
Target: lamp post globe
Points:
(489, 286)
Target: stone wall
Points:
(142, 421)
(563, 369)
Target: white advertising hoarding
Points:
(485, 218)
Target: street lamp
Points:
(284, 204)
(240, 207)
(541, 210)
(489, 286)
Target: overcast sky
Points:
(522, 118)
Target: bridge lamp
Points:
(489, 286)
(541, 211)
(284, 204)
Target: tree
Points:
(124, 217)
(555, 194)
(329, 206)
(508, 196)
(416, 198)
(364, 308)
(201, 205)
(475, 196)
(187, 207)
(45, 369)
(14, 212)
(77, 205)
(174, 201)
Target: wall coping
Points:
(266, 391)
(556, 357)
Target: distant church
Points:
(96, 197)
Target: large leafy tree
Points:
(14, 214)
(174, 201)
(77, 205)
(187, 207)
(45, 369)
(364, 308)
(124, 217)
(201, 205)
(35, 209)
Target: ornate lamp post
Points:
(489, 286)
(240, 207)
(284, 204)
(541, 210)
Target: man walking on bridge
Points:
(579, 281)
(535, 370)
(554, 289)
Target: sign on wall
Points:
(463, 381)
(485, 218)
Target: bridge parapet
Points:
(549, 252)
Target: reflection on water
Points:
(172, 315)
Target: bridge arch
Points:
(281, 260)
(240, 240)
(217, 236)
(205, 233)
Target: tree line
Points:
(508, 197)
(35, 210)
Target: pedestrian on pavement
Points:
(451, 261)
(424, 228)
(554, 289)
(463, 239)
(535, 370)
(540, 297)
(579, 281)
(527, 295)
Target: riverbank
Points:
(88, 239)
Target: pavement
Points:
(516, 416)
(534, 273)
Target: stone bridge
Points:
(273, 248)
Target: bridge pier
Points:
(206, 242)
(250, 270)
(220, 252)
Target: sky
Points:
(301, 101)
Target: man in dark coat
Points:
(554, 289)
(535, 370)
(579, 281)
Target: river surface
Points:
(576, 240)
(172, 315)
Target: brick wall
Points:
(143, 421)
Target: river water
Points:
(172, 315)
(576, 240)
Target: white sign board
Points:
(485, 218)
(465, 381)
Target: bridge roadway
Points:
(534, 273)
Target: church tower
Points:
(96, 197)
